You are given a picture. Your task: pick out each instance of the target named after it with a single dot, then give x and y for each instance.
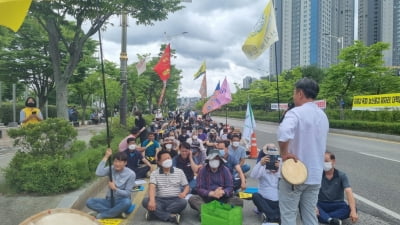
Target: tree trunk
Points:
(62, 98)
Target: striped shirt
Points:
(209, 181)
(170, 184)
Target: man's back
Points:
(307, 127)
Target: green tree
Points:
(53, 17)
(360, 71)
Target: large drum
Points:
(61, 217)
(294, 172)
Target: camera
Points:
(273, 158)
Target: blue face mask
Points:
(222, 153)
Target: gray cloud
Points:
(216, 31)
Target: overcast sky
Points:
(216, 31)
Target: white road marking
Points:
(378, 207)
(381, 157)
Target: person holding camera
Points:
(266, 172)
(30, 114)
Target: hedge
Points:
(385, 122)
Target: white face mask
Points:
(327, 166)
(194, 137)
(235, 144)
(214, 163)
(168, 146)
(167, 163)
(132, 147)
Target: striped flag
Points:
(264, 34)
(203, 88)
(201, 71)
(249, 123)
(221, 96)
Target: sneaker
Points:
(147, 216)
(123, 215)
(263, 217)
(335, 221)
(93, 213)
(176, 218)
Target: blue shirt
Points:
(151, 149)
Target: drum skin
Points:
(294, 172)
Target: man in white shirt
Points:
(302, 136)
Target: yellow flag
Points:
(202, 70)
(13, 12)
(263, 35)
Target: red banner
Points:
(163, 67)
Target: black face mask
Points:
(30, 104)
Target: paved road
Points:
(372, 165)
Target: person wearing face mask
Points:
(135, 157)
(30, 114)
(214, 182)
(168, 188)
(169, 146)
(239, 153)
(239, 180)
(185, 161)
(332, 208)
(194, 140)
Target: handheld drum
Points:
(294, 172)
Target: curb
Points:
(77, 199)
(386, 137)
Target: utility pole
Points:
(123, 67)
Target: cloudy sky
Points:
(216, 30)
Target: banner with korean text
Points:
(377, 102)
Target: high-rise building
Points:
(311, 32)
(380, 21)
(247, 82)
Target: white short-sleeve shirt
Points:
(306, 128)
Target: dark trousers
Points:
(166, 206)
(141, 171)
(339, 210)
(268, 207)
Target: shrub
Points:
(50, 136)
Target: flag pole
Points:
(276, 74)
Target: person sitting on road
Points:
(167, 191)
(135, 157)
(121, 186)
(134, 133)
(151, 146)
(239, 153)
(169, 145)
(239, 180)
(185, 162)
(266, 199)
(331, 207)
(214, 182)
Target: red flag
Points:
(163, 67)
